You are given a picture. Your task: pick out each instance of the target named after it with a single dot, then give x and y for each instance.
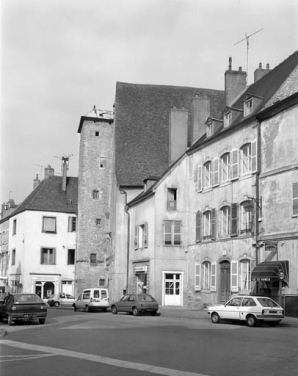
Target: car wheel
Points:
(135, 311)
(114, 310)
(42, 321)
(153, 313)
(215, 318)
(56, 304)
(251, 321)
(273, 323)
(9, 320)
(74, 307)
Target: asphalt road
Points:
(79, 343)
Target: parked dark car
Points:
(3, 295)
(23, 307)
(135, 304)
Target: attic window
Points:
(96, 134)
(209, 129)
(227, 119)
(95, 194)
(97, 221)
(248, 107)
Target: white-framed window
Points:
(227, 119)
(197, 277)
(172, 199)
(49, 225)
(172, 232)
(72, 224)
(141, 236)
(245, 219)
(248, 106)
(225, 167)
(246, 159)
(225, 221)
(206, 275)
(207, 224)
(207, 174)
(48, 256)
(295, 199)
(245, 274)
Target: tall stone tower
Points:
(95, 200)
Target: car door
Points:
(79, 303)
(231, 310)
(122, 304)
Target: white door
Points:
(67, 287)
(173, 289)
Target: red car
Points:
(23, 307)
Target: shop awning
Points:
(271, 271)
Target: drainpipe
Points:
(258, 199)
(128, 237)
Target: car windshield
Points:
(146, 298)
(27, 298)
(265, 302)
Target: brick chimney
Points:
(36, 182)
(235, 83)
(200, 112)
(260, 72)
(178, 132)
(48, 171)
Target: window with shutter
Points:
(197, 277)
(234, 164)
(225, 221)
(172, 235)
(199, 183)
(168, 232)
(207, 175)
(213, 276)
(225, 167)
(49, 225)
(136, 240)
(213, 224)
(206, 275)
(234, 220)
(245, 219)
(244, 275)
(215, 174)
(234, 276)
(207, 224)
(198, 226)
(177, 232)
(254, 159)
(295, 198)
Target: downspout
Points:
(128, 238)
(258, 199)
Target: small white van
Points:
(92, 299)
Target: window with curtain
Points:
(225, 221)
(245, 274)
(206, 275)
(49, 225)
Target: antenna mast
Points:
(247, 45)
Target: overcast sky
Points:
(59, 58)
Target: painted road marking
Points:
(13, 358)
(100, 359)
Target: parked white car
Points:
(252, 309)
(61, 299)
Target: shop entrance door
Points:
(172, 285)
(225, 281)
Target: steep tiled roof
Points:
(265, 89)
(49, 196)
(142, 126)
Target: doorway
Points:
(225, 281)
(172, 289)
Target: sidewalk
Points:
(185, 313)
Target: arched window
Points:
(207, 224)
(206, 275)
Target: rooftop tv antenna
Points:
(65, 159)
(247, 45)
(40, 167)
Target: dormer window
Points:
(227, 119)
(209, 129)
(212, 126)
(248, 107)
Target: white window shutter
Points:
(199, 179)
(234, 276)
(145, 235)
(213, 276)
(234, 164)
(136, 245)
(254, 164)
(197, 277)
(215, 174)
